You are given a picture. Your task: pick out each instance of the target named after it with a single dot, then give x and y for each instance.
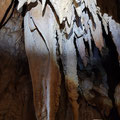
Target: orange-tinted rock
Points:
(46, 87)
(87, 112)
(55, 82)
(73, 96)
(5, 4)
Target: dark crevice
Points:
(118, 10)
(87, 47)
(95, 50)
(77, 19)
(111, 66)
(61, 113)
(80, 65)
(97, 67)
(24, 10)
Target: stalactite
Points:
(81, 21)
(68, 42)
(43, 74)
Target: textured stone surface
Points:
(77, 34)
(6, 8)
(73, 54)
(16, 97)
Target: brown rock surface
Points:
(16, 98)
(6, 8)
(72, 51)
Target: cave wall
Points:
(16, 95)
(73, 54)
(75, 29)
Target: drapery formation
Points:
(60, 30)
(73, 52)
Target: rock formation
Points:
(60, 60)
